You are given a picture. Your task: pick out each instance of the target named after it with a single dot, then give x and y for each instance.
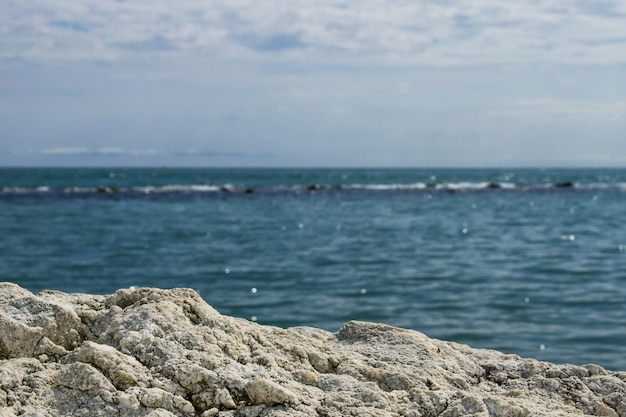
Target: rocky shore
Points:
(151, 352)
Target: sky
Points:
(326, 83)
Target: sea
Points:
(526, 261)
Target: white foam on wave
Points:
(174, 188)
(24, 190)
(463, 185)
(15, 190)
(385, 187)
(299, 188)
(508, 185)
(79, 190)
(209, 188)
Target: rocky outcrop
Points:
(151, 352)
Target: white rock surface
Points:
(151, 352)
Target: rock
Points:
(122, 370)
(152, 352)
(268, 392)
(106, 190)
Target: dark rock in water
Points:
(249, 191)
(431, 185)
(494, 185)
(146, 352)
(225, 189)
(314, 187)
(566, 184)
(107, 190)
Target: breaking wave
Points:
(211, 189)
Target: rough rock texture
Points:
(150, 352)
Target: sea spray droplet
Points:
(572, 237)
(227, 271)
(363, 291)
(527, 300)
(253, 290)
(542, 347)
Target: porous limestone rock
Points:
(151, 352)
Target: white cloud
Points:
(386, 32)
(109, 151)
(115, 152)
(65, 151)
(144, 152)
(100, 151)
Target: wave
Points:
(208, 189)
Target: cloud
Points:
(156, 43)
(65, 151)
(221, 154)
(463, 32)
(75, 26)
(96, 152)
(114, 151)
(577, 111)
(275, 42)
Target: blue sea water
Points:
(531, 262)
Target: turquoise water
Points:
(525, 261)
